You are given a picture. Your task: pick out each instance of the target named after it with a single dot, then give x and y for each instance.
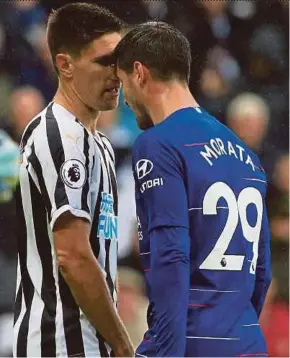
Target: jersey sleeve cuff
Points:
(73, 211)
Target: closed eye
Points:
(106, 60)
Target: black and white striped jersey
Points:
(63, 168)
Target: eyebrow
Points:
(105, 60)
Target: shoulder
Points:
(52, 120)
(156, 147)
(166, 134)
(59, 119)
(257, 163)
(34, 125)
(55, 132)
(150, 138)
(59, 128)
(157, 139)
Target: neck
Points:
(169, 98)
(68, 98)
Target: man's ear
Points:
(64, 64)
(140, 72)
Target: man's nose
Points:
(114, 70)
(115, 78)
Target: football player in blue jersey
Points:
(200, 198)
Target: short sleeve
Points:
(60, 156)
(159, 181)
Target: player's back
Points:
(226, 188)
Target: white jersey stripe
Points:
(204, 290)
(35, 271)
(34, 334)
(70, 152)
(102, 254)
(218, 207)
(114, 243)
(215, 338)
(18, 277)
(110, 245)
(256, 179)
(17, 326)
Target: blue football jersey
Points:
(204, 238)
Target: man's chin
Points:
(108, 106)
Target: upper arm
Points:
(159, 182)
(71, 238)
(61, 159)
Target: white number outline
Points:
(237, 208)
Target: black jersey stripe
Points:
(38, 170)
(71, 320)
(57, 155)
(86, 187)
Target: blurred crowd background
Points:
(240, 74)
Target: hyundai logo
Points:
(143, 167)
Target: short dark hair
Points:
(73, 26)
(160, 47)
